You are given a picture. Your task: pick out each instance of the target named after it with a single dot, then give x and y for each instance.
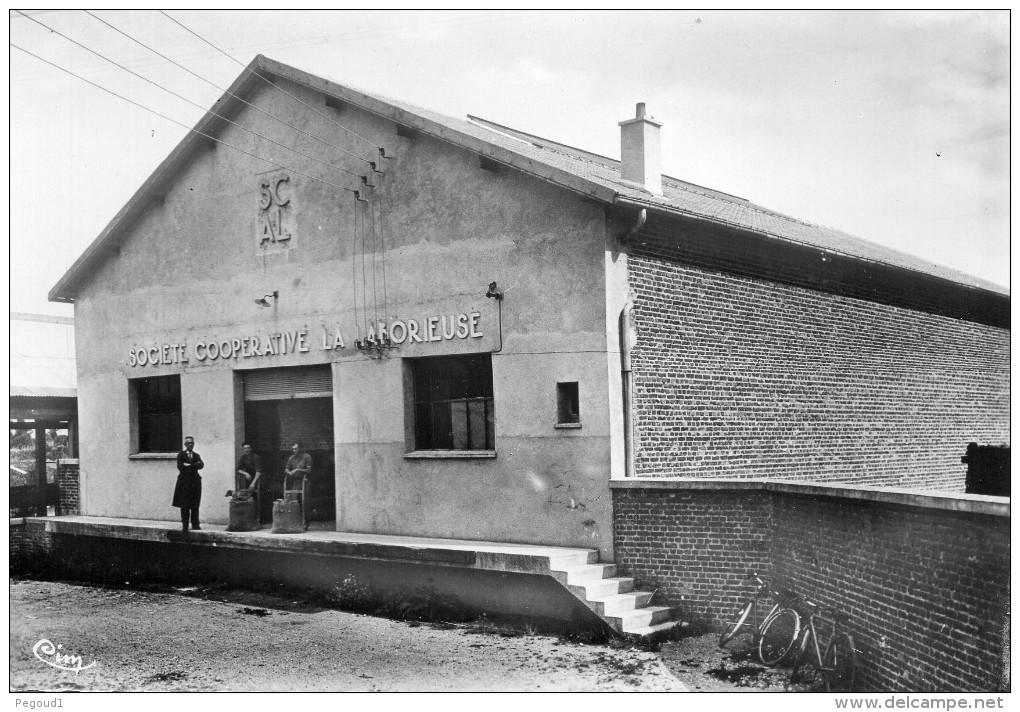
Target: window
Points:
(568, 405)
(453, 407)
(157, 411)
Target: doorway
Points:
(284, 406)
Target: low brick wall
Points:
(925, 578)
(16, 541)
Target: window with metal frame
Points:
(158, 413)
(453, 406)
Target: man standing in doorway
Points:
(188, 492)
(299, 464)
(249, 469)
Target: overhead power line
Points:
(292, 96)
(225, 90)
(193, 103)
(193, 130)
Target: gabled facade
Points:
(473, 330)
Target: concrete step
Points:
(609, 605)
(652, 631)
(628, 621)
(590, 590)
(591, 572)
(580, 558)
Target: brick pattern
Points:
(17, 540)
(33, 537)
(927, 589)
(68, 481)
(740, 377)
(694, 553)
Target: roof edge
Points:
(989, 288)
(405, 117)
(65, 290)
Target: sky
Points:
(891, 126)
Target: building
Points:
(473, 330)
(43, 409)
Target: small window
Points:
(453, 408)
(157, 413)
(568, 405)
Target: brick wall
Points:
(925, 579)
(16, 542)
(68, 481)
(740, 376)
(692, 549)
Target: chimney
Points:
(640, 155)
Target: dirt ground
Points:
(196, 639)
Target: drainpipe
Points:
(628, 335)
(639, 222)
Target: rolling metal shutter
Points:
(284, 383)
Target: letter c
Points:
(276, 190)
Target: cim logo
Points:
(275, 211)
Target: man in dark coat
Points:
(188, 492)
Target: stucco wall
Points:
(189, 269)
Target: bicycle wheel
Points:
(840, 664)
(778, 634)
(735, 623)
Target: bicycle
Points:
(838, 667)
(776, 648)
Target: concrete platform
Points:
(530, 580)
(486, 555)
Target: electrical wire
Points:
(227, 91)
(382, 241)
(364, 290)
(375, 293)
(175, 121)
(354, 269)
(359, 209)
(296, 98)
(184, 98)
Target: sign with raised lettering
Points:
(275, 222)
(396, 333)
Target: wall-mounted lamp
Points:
(497, 294)
(264, 301)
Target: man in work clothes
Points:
(299, 464)
(249, 469)
(188, 492)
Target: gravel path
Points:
(176, 641)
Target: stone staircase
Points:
(612, 597)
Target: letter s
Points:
(265, 195)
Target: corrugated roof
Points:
(590, 174)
